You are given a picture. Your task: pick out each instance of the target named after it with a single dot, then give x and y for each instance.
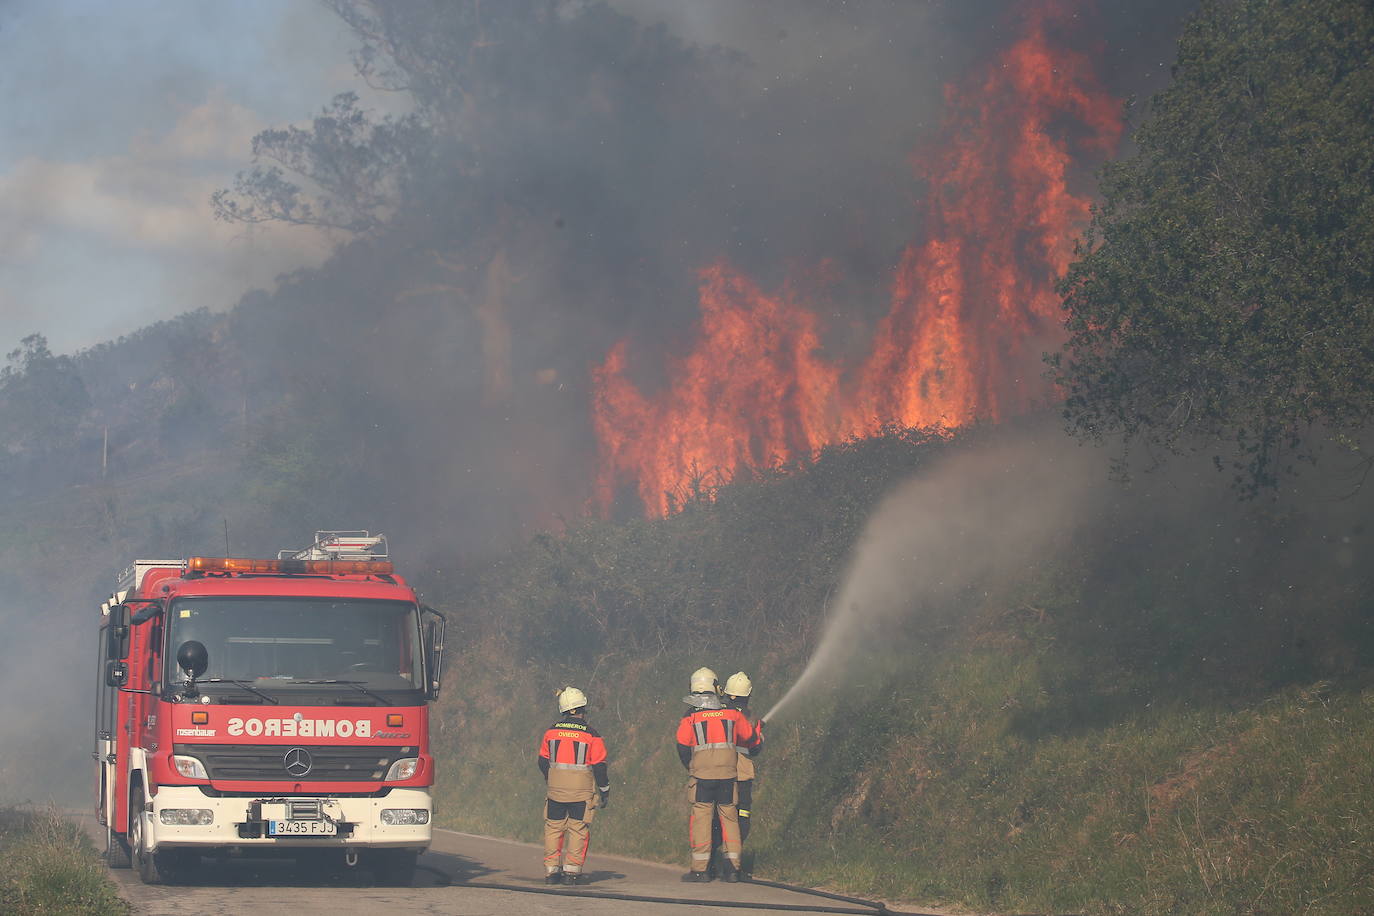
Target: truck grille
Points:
(295, 762)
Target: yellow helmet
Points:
(704, 681)
(570, 698)
(739, 685)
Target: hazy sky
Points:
(118, 120)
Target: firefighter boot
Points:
(554, 877)
(728, 870)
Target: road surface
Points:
(261, 886)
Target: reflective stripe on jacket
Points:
(713, 737)
(575, 756)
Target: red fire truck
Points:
(267, 706)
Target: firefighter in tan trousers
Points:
(572, 757)
(709, 736)
(738, 687)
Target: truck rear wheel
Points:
(116, 850)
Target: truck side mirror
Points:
(116, 673)
(434, 650)
(117, 633)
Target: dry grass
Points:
(48, 868)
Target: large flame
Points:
(971, 306)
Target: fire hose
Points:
(859, 907)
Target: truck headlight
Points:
(404, 817)
(189, 767)
(404, 768)
(187, 817)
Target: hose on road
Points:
(861, 907)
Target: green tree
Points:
(42, 398)
(343, 173)
(1224, 296)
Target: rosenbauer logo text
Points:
(195, 733)
(301, 728)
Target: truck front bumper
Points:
(178, 819)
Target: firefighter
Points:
(738, 687)
(736, 693)
(572, 757)
(709, 736)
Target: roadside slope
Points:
(1169, 715)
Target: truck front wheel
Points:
(165, 867)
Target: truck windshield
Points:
(273, 642)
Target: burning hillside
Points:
(971, 306)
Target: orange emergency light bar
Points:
(289, 567)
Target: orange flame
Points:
(971, 307)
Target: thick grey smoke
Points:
(621, 151)
(47, 674)
(432, 381)
(977, 520)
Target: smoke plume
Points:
(577, 168)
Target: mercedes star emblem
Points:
(297, 761)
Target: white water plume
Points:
(980, 516)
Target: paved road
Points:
(263, 886)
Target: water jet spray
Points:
(972, 524)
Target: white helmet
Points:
(704, 681)
(570, 698)
(739, 685)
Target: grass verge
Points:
(962, 787)
(48, 866)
